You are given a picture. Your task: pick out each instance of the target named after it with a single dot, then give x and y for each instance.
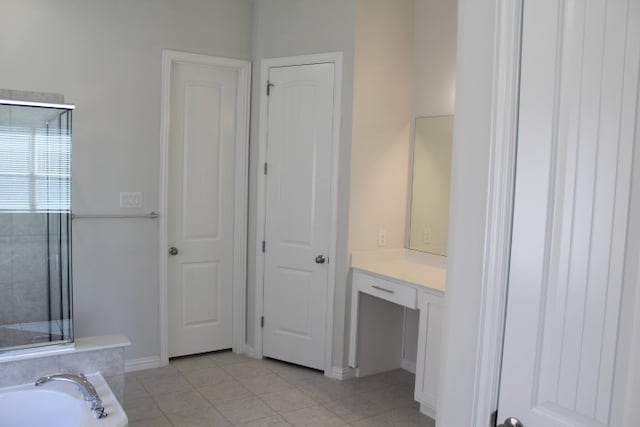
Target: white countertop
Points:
(425, 271)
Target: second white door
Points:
(298, 210)
(201, 207)
(567, 358)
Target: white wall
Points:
(435, 57)
(301, 27)
(435, 24)
(105, 56)
(382, 111)
(467, 211)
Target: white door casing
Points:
(297, 221)
(577, 124)
(205, 130)
(323, 307)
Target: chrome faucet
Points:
(86, 388)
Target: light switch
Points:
(426, 235)
(130, 200)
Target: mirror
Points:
(430, 188)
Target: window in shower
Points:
(35, 224)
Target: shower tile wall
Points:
(23, 268)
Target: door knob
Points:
(320, 259)
(512, 422)
(173, 250)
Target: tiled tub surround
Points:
(23, 268)
(95, 354)
(226, 389)
(30, 286)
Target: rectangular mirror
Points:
(430, 188)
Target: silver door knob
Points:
(320, 259)
(512, 422)
(173, 250)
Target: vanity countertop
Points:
(428, 275)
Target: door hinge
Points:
(264, 246)
(269, 86)
(262, 321)
(494, 419)
(265, 168)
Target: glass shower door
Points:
(35, 225)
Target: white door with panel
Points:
(566, 350)
(201, 207)
(298, 212)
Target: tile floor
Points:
(226, 389)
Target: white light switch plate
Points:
(130, 200)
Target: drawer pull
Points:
(380, 288)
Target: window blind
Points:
(35, 169)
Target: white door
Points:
(565, 355)
(201, 208)
(298, 208)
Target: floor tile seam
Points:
(239, 378)
(231, 400)
(166, 414)
(153, 397)
(281, 413)
(187, 370)
(194, 385)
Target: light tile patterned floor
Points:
(225, 389)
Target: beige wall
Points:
(382, 111)
(105, 56)
(435, 57)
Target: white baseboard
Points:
(342, 373)
(408, 365)
(142, 363)
(428, 410)
(250, 351)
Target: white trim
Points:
(430, 411)
(37, 104)
(250, 352)
(408, 365)
(265, 65)
(338, 373)
(243, 70)
(497, 245)
(151, 362)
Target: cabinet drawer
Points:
(387, 290)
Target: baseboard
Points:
(428, 410)
(142, 363)
(251, 352)
(408, 365)
(342, 373)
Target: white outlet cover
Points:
(382, 238)
(131, 200)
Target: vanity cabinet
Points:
(394, 287)
(429, 346)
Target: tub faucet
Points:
(86, 388)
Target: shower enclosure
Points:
(35, 224)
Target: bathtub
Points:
(58, 404)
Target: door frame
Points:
(265, 65)
(499, 214)
(243, 71)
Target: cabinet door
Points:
(428, 360)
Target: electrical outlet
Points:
(382, 237)
(130, 200)
(426, 235)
